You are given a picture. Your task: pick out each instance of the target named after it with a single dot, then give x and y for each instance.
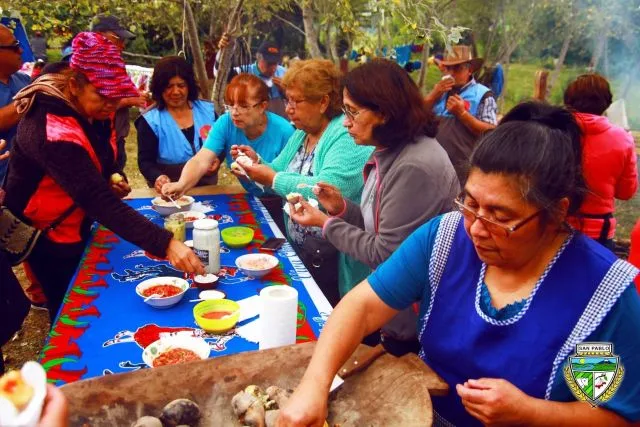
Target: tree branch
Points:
(140, 55)
(300, 30)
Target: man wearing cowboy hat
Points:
(466, 108)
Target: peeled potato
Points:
(116, 178)
(14, 389)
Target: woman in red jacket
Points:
(61, 164)
(634, 252)
(608, 158)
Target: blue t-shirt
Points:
(7, 91)
(224, 134)
(404, 279)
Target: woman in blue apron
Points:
(507, 291)
(175, 129)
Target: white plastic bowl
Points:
(196, 344)
(165, 302)
(165, 208)
(241, 263)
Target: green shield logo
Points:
(593, 373)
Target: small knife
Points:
(356, 364)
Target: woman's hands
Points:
(213, 168)
(160, 182)
(330, 198)
(4, 154)
(56, 409)
(236, 150)
(183, 258)
(173, 189)
(307, 215)
(495, 401)
(261, 174)
(307, 407)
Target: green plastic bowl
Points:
(217, 326)
(237, 237)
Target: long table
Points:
(103, 325)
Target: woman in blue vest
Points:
(506, 288)
(174, 130)
(246, 122)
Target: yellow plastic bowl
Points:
(237, 237)
(216, 326)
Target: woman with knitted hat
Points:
(61, 167)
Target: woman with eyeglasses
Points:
(174, 130)
(409, 179)
(246, 122)
(507, 290)
(320, 150)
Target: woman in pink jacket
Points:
(609, 158)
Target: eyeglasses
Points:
(351, 114)
(240, 108)
(293, 103)
(493, 227)
(15, 46)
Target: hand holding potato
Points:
(237, 150)
(330, 198)
(307, 215)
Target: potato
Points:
(116, 178)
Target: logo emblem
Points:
(593, 373)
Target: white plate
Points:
(196, 344)
(312, 202)
(165, 280)
(211, 294)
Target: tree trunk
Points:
(332, 43)
(224, 64)
(173, 40)
(196, 51)
(606, 58)
(425, 66)
(212, 26)
(626, 87)
(328, 42)
(563, 54)
(597, 52)
(310, 33)
(379, 30)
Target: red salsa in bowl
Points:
(164, 291)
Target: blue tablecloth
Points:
(104, 325)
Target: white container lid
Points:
(205, 224)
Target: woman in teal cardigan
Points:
(320, 150)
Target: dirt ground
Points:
(27, 343)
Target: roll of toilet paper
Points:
(278, 316)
